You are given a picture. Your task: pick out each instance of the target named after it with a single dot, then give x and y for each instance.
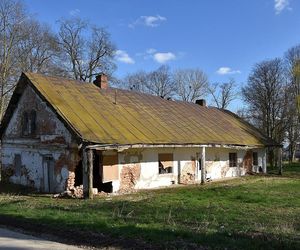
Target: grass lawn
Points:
(254, 212)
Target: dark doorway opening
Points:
(97, 175)
(78, 174)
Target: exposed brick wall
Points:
(129, 176)
(188, 172)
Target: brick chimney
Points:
(101, 81)
(201, 102)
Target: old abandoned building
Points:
(58, 134)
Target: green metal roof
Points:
(115, 116)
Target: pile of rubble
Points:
(73, 192)
(77, 192)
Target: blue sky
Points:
(225, 38)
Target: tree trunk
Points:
(279, 157)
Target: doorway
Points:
(98, 174)
(48, 174)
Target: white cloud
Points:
(122, 56)
(151, 51)
(280, 5)
(164, 57)
(227, 71)
(149, 21)
(74, 12)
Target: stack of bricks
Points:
(71, 180)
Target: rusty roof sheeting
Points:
(115, 116)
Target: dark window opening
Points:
(200, 163)
(29, 123)
(165, 163)
(255, 158)
(232, 159)
(32, 128)
(25, 123)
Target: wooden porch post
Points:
(85, 179)
(90, 172)
(203, 169)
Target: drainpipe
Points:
(203, 169)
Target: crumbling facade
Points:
(49, 127)
(38, 151)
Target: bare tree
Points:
(12, 16)
(136, 81)
(292, 60)
(266, 97)
(38, 49)
(87, 49)
(191, 84)
(160, 83)
(292, 124)
(223, 93)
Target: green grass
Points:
(255, 212)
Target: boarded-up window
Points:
(232, 159)
(18, 164)
(110, 168)
(255, 159)
(165, 163)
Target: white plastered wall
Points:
(217, 164)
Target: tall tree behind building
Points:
(223, 93)
(190, 84)
(292, 61)
(266, 97)
(12, 17)
(25, 45)
(87, 49)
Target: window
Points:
(165, 163)
(110, 168)
(18, 164)
(29, 123)
(200, 163)
(255, 159)
(232, 159)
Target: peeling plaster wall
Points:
(217, 162)
(51, 139)
(138, 168)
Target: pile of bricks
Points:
(71, 180)
(78, 191)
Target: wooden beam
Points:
(203, 169)
(90, 172)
